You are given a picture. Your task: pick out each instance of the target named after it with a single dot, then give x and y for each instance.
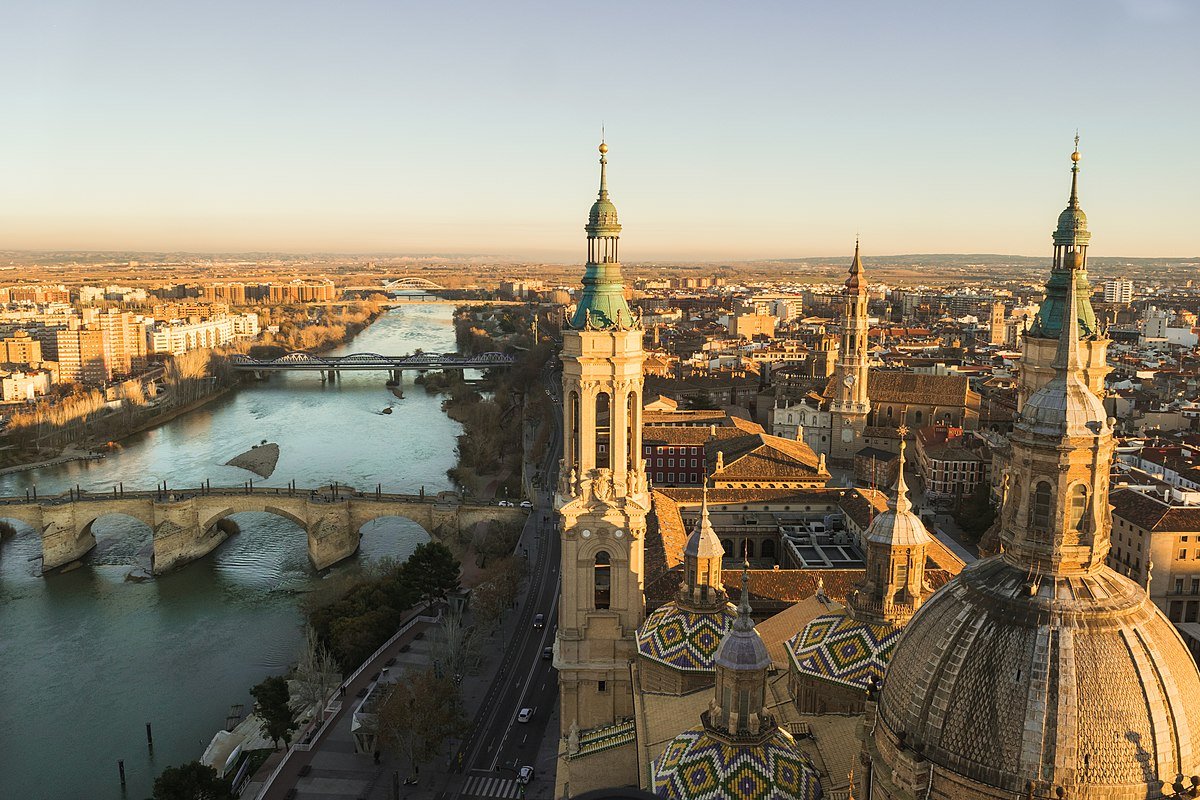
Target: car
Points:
(524, 715)
(505, 504)
(539, 620)
(547, 653)
(526, 504)
(525, 775)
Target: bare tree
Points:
(454, 646)
(419, 713)
(316, 676)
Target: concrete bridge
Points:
(187, 523)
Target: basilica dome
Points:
(1078, 682)
(684, 638)
(700, 766)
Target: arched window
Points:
(749, 549)
(889, 410)
(1040, 505)
(573, 410)
(768, 549)
(727, 546)
(1079, 504)
(603, 430)
(631, 431)
(918, 417)
(603, 579)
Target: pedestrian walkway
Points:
(484, 785)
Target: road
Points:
(498, 745)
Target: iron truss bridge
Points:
(370, 361)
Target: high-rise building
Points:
(850, 405)
(1118, 291)
(602, 497)
(20, 348)
(82, 355)
(126, 335)
(1041, 672)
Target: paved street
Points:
(485, 764)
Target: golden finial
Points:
(1075, 155)
(903, 431)
(603, 148)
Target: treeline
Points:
(315, 327)
(493, 426)
(359, 617)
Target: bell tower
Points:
(602, 497)
(850, 405)
(1068, 286)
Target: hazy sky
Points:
(738, 130)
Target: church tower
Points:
(895, 543)
(850, 405)
(602, 497)
(1071, 239)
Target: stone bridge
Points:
(186, 523)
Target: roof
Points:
(684, 639)
(1153, 515)
(840, 649)
(697, 766)
(762, 457)
(909, 387)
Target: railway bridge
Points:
(187, 523)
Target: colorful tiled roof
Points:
(683, 639)
(697, 766)
(605, 738)
(838, 648)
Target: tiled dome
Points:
(685, 639)
(699, 766)
(838, 648)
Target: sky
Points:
(744, 130)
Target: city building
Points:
(1118, 291)
(82, 354)
(1040, 672)
(24, 386)
(952, 464)
(125, 339)
(20, 348)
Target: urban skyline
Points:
(928, 129)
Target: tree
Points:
(271, 704)
(191, 781)
(454, 644)
(432, 571)
(419, 713)
(317, 674)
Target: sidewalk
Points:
(336, 772)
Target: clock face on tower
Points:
(850, 380)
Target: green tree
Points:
(432, 571)
(191, 781)
(272, 704)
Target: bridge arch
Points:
(391, 536)
(132, 538)
(411, 282)
(254, 508)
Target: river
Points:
(87, 658)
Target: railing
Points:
(309, 361)
(315, 736)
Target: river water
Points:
(87, 658)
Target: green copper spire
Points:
(1071, 239)
(602, 302)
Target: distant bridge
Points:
(408, 282)
(186, 522)
(307, 362)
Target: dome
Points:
(1063, 407)
(685, 639)
(1072, 226)
(899, 528)
(704, 542)
(742, 648)
(1079, 682)
(603, 215)
(841, 649)
(697, 765)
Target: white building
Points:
(178, 337)
(1118, 290)
(24, 386)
